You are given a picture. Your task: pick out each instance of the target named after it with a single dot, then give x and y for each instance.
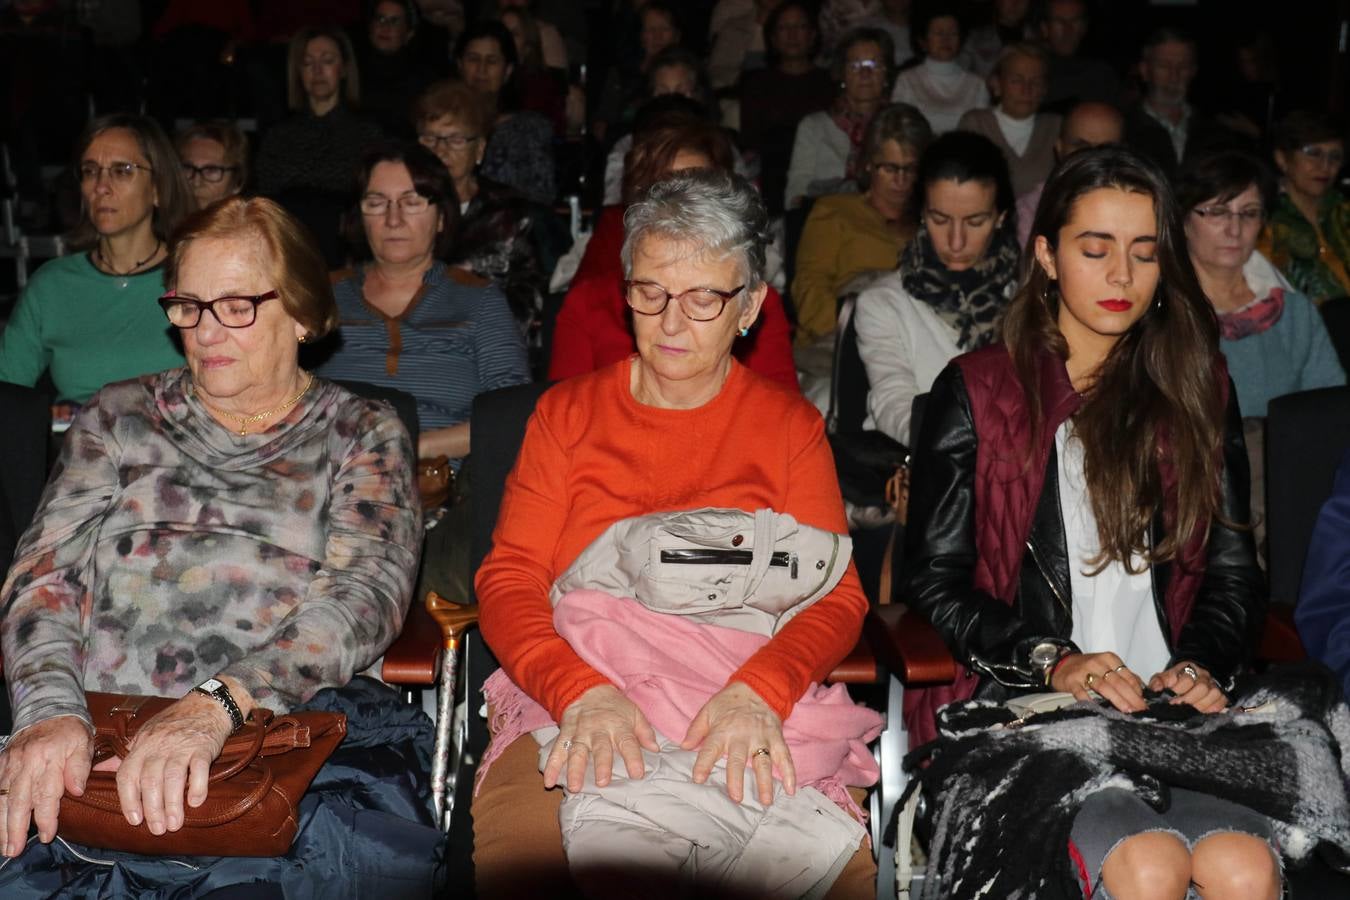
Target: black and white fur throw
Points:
(1003, 799)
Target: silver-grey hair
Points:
(713, 212)
(898, 122)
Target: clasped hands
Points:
(735, 723)
(169, 761)
(1106, 675)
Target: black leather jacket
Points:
(993, 639)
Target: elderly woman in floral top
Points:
(233, 534)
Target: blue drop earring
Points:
(744, 332)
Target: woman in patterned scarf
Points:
(953, 282)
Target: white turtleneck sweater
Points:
(942, 91)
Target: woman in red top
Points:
(681, 425)
(592, 328)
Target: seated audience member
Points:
(519, 150)
(1308, 238)
(1077, 521)
(826, 147)
(267, 520)
(501, 236)
(407, 320)
(593, 328)
(542, 90)
(1163, 125)
(625, 84)
(393, 71)
(318, 146)
(1323, 610)
(215, 160)
(1073, 78)
(1010, 25)
(1086, 124)
(680, 425)
(90, 318)
(552, 48)
(847, 235)
(305, 161)
(1026, 138)
(674, 73)
(775, 98)
(892, 17)
(941, 89)
(1270, 334)
(954, 280)
(740, 45)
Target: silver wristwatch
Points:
(216, 690)
(1044, 656)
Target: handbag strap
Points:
(255, 728)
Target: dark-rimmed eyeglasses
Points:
(896, 169)
(698, 304)
(120, 172)
(211, 174)
(453, 141)
(232, 312)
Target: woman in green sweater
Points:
(91, 318)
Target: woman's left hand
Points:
(1191, 683)
(738, 724)
(170, 756)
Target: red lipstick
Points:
(1115, 305)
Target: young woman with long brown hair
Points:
(1078, 520)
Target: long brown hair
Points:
(1158, 390)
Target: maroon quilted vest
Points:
(1007, 491)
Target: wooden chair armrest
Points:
(908, 645)
(859, 667)
(1279, 639)
(415, 656)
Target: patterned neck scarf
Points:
(854, 126)
(971, 301)
(1254, 318)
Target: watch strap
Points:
(221, 694)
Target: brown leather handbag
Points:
(256, 783)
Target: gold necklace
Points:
(245, 421)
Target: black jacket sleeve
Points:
(938, 579)
(1230, 608)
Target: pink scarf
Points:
(1254, 318)
(670, 666)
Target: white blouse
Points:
(1112, 610)
(942, 91)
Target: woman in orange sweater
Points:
(681, 425)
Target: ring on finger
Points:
(761, 751)
(1107, 674)
(567, 744)
(1087, 682)
(1191, 671)
(1120, 668)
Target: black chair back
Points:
(849, 386)
(404, 404)
(499, 419)
(1306, 435)
(23, 462)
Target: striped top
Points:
(455, 340)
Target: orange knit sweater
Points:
(593, 455)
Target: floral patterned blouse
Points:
(167, 549)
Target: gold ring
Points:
(1108, 674)
(1120, 667)
(762, 751)
(1087, 682)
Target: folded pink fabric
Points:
(670, 666)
